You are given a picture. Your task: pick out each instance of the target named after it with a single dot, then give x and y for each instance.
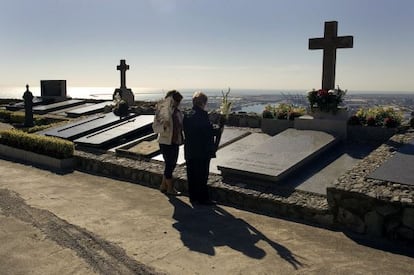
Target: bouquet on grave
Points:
(326, 100)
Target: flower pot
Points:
(340, 114)
(273, 126)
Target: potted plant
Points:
(326, 103)
(374, 124)
(278, 118)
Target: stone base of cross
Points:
(125, 94)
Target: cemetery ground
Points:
(78, 223)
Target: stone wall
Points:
(371, 206)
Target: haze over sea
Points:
(152, 94)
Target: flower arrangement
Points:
(283, 111)
(377, 116)
(326, 100)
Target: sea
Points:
(245, 100)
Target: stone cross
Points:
(123, 67)
(329, 43)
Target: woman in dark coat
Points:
(199, 148)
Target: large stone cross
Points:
(329, 43)
(123, 67)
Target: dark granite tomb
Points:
(44, 109)
(88, 110)
(115, 134)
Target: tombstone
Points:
(44, 109)
(399, 168)
(118, 133)
(53, 90)
(235, 149)
(277, 157)
(85, 126)
(126, 94)
(329, 43)
(142, 148)
(333, 124)
(88, 110)
(28, 107)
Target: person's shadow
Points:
(204, 227)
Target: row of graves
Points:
(308, 157)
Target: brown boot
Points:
(170, 188)
(163, 186)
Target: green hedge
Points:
(49, 146)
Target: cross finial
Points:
(329, 43)
(123, 67)
(27, 87)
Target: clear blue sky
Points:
(205, 43)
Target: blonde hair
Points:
(199, 99)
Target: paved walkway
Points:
(84, 224)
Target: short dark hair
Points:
(175, 95)
(199, 99)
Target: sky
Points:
(176, 44)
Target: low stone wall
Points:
(374, 207)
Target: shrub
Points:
(377, 116)
(283, 111)
(49, 146)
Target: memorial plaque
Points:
(88, 110)
(85, 126)
(399, 168)
(278, 156)
(44, 109)
(236, 148)
(115, 133)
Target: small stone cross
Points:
(329, 43)
(123, 67)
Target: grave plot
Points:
(278, 156)
(44, 109)
(118, 133)
(88, 110)
(236, 148)
(399, 168)
(142, 148)
(85, 126)
(229, 135)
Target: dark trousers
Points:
(197, 176)
(170, 155)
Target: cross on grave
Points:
(123, 67)
(329, 43)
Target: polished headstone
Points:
(236, 148)
(85, 126)
(127, 128)
(53, 89)
(43, 109)
(88, 110)
(399, 168)
(278, 156)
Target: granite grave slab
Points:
(44, 109)
(143, 147)
(139, 125)
(236, 148)
(85, 126)
(399, 168)
(278, 156)
(88, 110)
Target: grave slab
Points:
(235, 149)
(88, 110)
(85, 126)
(44, 109)
(280, 155)
(130, 127)
(399, 168)
(229, 135)
(139, 148)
